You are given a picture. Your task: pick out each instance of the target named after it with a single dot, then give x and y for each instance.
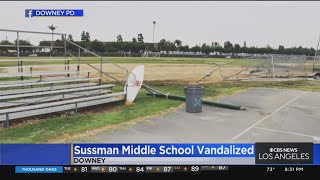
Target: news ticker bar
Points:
(160, 154)
(160, 169)
(117, 169)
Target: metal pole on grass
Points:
(316, 53)
(100, 67)
(65, 51)
(154, 26)
(18, 51)
(274, 75)
(305, 68)
(65, 46)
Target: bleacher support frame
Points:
(22, 83)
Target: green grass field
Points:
(125, 60)
(55, 128)
(143, 60)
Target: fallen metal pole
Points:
(151, 90)
(207, 102)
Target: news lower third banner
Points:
(160, 154)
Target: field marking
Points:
(291, 133)
(301, 106)
(266, 117)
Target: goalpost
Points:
(153, 55)
(126, 54)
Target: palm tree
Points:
(52, 28)
(178, 43)
(140, 38)
(119, 38)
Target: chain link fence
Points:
(271, 67)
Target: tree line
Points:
(137, 45)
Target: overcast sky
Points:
(257, 23)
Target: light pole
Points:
(154, 26)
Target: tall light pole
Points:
(315, 54)
(52, 28)
(154, 26)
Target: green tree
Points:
(170, 46)
(6, 42)
(87, 37)
(281, 49)
(185, 48)
(205, 48)
(268, 49)
(25, 43)
(195, 49)
(237, 48)
(134, 40)
(228, 45)
(97, 46)
(83, 36)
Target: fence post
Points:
(18, 66)
(79, 53)
(65, 46)
(274, 75)
(76, 108)
(100, 67)
(40, 80)
(7, 121)
(269, 71)
(292, 66)
(31, 71)
(305, 68)
(18, 53)
(78, 70)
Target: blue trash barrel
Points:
(194, 98)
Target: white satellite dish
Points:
(134, 82)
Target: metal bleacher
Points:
(29, 93)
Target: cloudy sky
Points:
(257, 23)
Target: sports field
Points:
(183, 70)
(220, 77)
